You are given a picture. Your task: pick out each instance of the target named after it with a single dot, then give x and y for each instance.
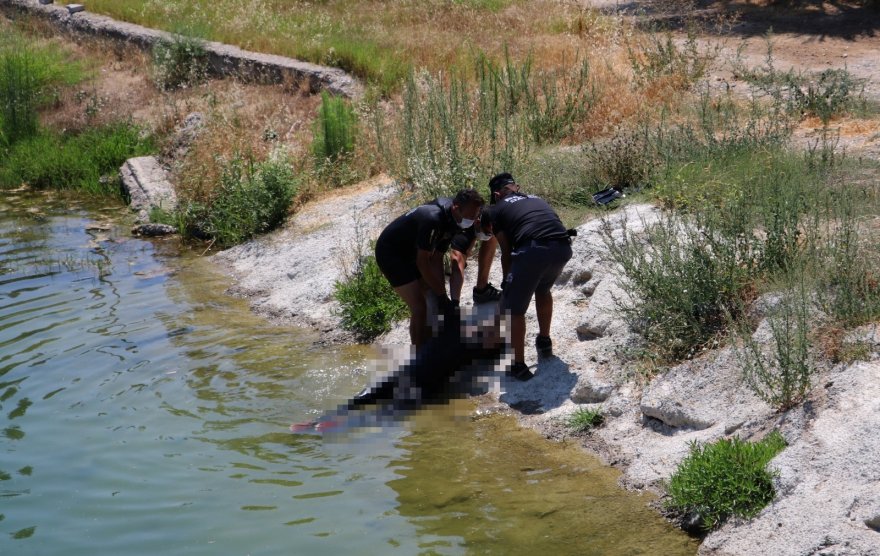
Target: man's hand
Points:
(445, 305)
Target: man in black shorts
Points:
(410, 252)
(535, 247)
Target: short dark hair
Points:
(467, 197)
(498, 182)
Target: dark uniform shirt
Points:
(525, 217)
(429, 227)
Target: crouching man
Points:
(410, 252)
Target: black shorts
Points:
(399, 267)
(534, 267)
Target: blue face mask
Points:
(465, 223)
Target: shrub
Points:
(660, 57)
(179, 61)
(850, 283)
(80, 161)
(624, 161)
(368, 304)
(683, 278)
(584, 419)
(724, 478)
(252, 198)
(783, 378)
(335, 129)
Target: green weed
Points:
(180, 61)
(252, 198)
(335, 129)
(850, 283)
(368, 304)
(584, 419)
(683, 278)
(825, 94)
(782, 378)
(723, 479)
(27, 73)
(88, 161)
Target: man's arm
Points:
(506, 249)
(430, 265)
(457, 264)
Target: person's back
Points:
(429, 227)
(526, 217)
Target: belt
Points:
(543, 242)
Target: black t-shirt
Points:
(525, 217)
(429, 227)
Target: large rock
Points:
(701, 393)
(146, 182)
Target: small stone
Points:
(582, 277)
(587, 333)
(153, 230)
(75, 8)
(591, 393)
(44, 2)
(874, 523)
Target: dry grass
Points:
(380, 40)
(248, 120)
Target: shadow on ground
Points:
(549, 389)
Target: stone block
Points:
(44, 2)
(75, 8)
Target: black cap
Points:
(498, 182)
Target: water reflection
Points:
(142, 411)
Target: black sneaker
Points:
(487, 295)
(544, 345)
(520, 371)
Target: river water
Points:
(144, 412)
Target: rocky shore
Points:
(828, 490)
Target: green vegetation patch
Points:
(368, 304)
(88, 161)
(253, 197)
(30, 73)
(584, 419)
(723, 479)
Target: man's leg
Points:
(518, 337)
(485, 257)
(412, 295)
(544, 309)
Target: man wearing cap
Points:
(535, 247)
(410, 252)
(462, 244)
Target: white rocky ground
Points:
(829, 486)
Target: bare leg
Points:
(518, 337)
(544, 308)
(412, 295)
(484, 260)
